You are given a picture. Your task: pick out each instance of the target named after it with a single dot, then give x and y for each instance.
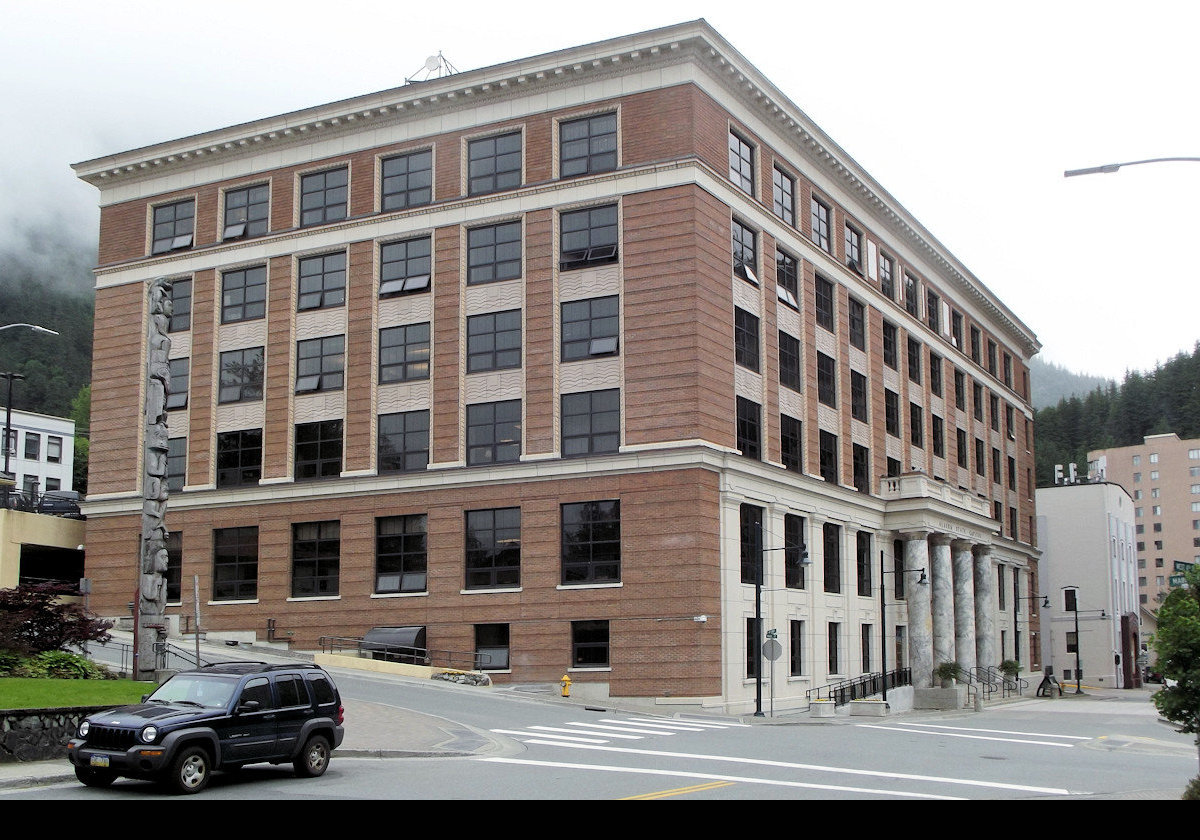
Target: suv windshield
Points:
(193, 689)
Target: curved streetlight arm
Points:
(1113, 167)
(33, 327)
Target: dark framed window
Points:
(980, 458)
(831, 539)
(745, 339)
(862, 468)
(854, 249)
(791, 374)
(826, 380)
(858, 396)
(826, 316)
(796, 646)
(996, 465)
(181, 306)
(749, 428)
(587, 145)
(239, 457)
(893, 467)
(795, 551)
(589, 644)
(247, 212)
(322, 281)
(588, 237)
(494, 253)
(176, 463)
(173, 576)
(318, 450)
(320, 364)
(783, 196)
(403, 442)
(1007, 370)
(401, 554)
(741, 162)
(891, 412)
(177, 385)
(494, 163)
(754, 640)
(591, 422)
(887, 276)
(956, 328)
(750, 541)
(590, 328)
(316, 558)
(241, 375)
(792, 443)
(404, 353)
(491, 647)
(938, 433)
(591, 542)
(933, 310)
(994, 413)
(494, 341)
(863, 564)
(914, 360)
(53, 448)
(244, 294)
(935, 374)
(406, 180)
(991, 357)
(494, 432)
(174, 226)
(960, 441)
(865, 634)
(324, 196)
(404, 267)
(976, 338)
(787, 279)
(745, 252)
(977, 400)
(235, 564)
(828, 446)
(821, 224)
(493, 546)
(912, 302)
(1012, 473)
(1010, 429)
(960, 390)
(858, 324)
(916, 425)
(891, 347)
(33, 446)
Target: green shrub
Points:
(9, 662)
(61, 665)
(1192, 791)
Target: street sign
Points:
(1176, 580)
(772, 633)
(772, 650)
(1182, 565)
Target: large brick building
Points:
(542, 358)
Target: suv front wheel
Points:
(190, 771)
(314, 758)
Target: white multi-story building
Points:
(41, 452)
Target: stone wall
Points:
(39, 734)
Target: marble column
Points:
(985, 608)
(941, 575)
(920, 618)
(964, 604)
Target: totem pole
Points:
(152, 585)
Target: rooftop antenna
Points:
(436, 66)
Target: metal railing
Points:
(457, 660)
(988, 681)
(859, 688)
(166, 656)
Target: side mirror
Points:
(248, 706)
(145, 697)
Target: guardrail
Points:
(859, 688)
(458, 660)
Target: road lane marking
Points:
(687, 774)
(971, 737)
(663, 794)
(521, 734)
(665, 727)
(587, 732)
(619, 728)
(999, 731)
(702, 723)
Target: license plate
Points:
(98, 761)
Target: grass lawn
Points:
(21, 693)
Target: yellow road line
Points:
(663, 794)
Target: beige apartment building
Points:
(1162, 474)
(545, 361)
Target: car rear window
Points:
(322, 688)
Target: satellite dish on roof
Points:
(435, 66)
(432, 63)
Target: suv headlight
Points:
(83, 729)
(148, 734)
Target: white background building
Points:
(41, 451)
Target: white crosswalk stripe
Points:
(602, 729)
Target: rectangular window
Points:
(960, 390)
(591, 542)
(493, 540)
(1000, 585)
(406, 180)
(591, 422)
(980, 458)
(494, 163)
(935, 374)
(975, 344)
(239, 458)
(891, 412)
(961, 446)
(854, 249)
(589, 644)
(893, 467)
(745, 339)
(741, 162)
(494, 253)
(1009, 423)
(898, 573)
(933, 310)
(318, 450)
(494, 433)
(588, 237)
(956, 328)
(181, 306)
(828, 444)
(914, 360)
(858, 396)
(750, 546)
(795, 551)
(244, 294)
(322, 281)
(235, 564)
(977, 400)
(320, 364)
(887, 280)
(744, 248)
(938, 432)
(590, 328)
(991, 357)
(821, 224)
(324, 196)
(784, 196)
(826, 380)
(176, 461)
(177, 386)
(749, 428)
(791, 373)
(916, 425)
(241, 376)
(494, 341)
(865, 630)
(891, 346)
(587, 145)
(912, 300)
(858, 324)
(834, 662)
(316, 558)
(33, 446)
(401, 554)
(792, 443)
(403, 443)
(862, 469)
(404, 353)
(796, 638)
(1012, 473)
(994, 405)
(826, 316)
(404, 267)
(491, 647)
(174, 573)
(174, 226)
(787, 279)
(1008, 370)
(247, 212)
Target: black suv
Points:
(219, 717)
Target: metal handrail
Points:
(859, 688)
(457, 660)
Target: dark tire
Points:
(313, 760)
(190, 771)
(94, 778)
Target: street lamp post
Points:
(18, 377)
(1109, 168)
(758, 628)
(1017, 599)
(922, 581)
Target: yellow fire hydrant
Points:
(566, 686)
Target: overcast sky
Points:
(966, 112)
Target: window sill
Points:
(596, 670)
(569, 586)
(233, 601)
(490, 591)
(314, 598)
(422, 594)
